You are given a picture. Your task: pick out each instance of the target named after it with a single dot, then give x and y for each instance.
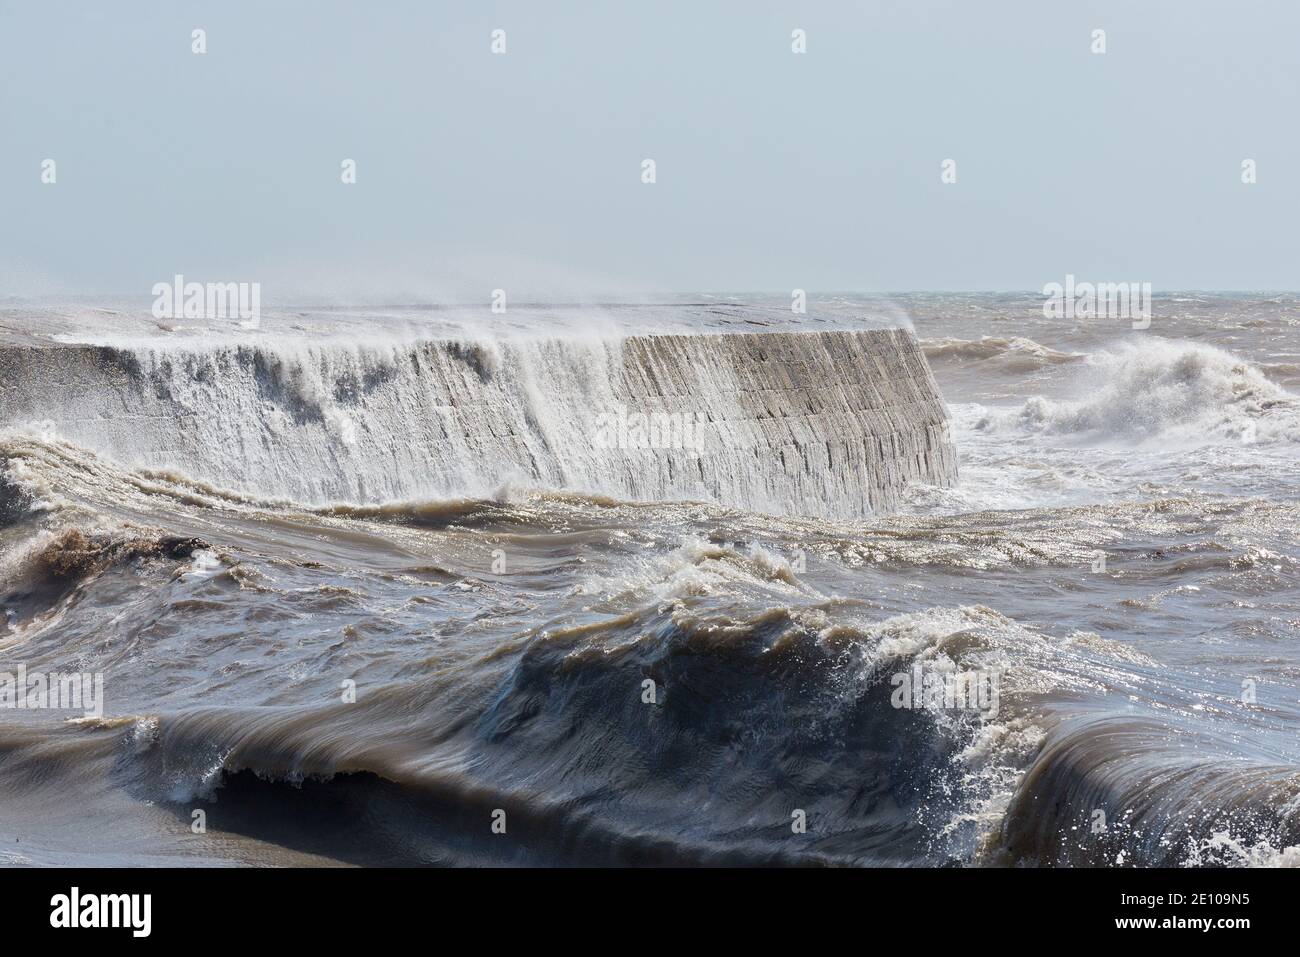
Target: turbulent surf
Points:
(647, 585)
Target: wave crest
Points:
(1155, 387)
(1014, 353)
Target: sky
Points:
(523, 171)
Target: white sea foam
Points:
(1156, 387)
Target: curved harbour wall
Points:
(830, 423)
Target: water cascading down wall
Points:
(831, 424)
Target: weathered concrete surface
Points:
(811, 423)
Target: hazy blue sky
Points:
(522, 171)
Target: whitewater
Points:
(362, 578)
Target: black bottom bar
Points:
(335, 907)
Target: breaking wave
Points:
(1116, 791)
(1161, 388)
(1012, 354)
(750, 719)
